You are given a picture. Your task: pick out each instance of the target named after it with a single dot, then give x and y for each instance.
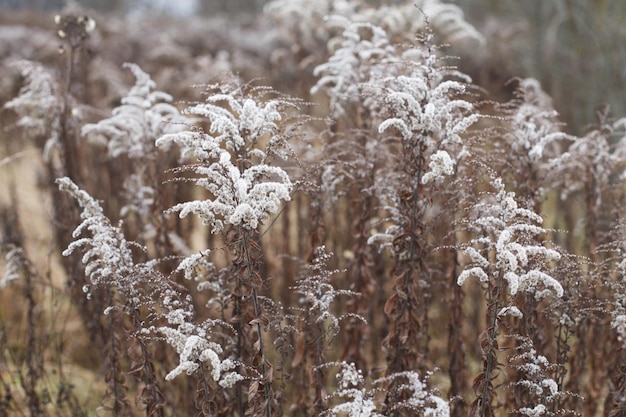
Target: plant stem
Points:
(493, 307)
(257, 314)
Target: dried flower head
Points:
(74, 29)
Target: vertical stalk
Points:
(257, 314)
(492, 319)
(154, 395)
(237, 313)
(113, 376)
(562, 348)
(206, 406)
(455, 345)
(33, 361)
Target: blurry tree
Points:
(104, 5)
(47, 5)
(246, 7)
(574, 47)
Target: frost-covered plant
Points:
(107, 255)
(357, 399)
(139, 197)
(505, 247)
(427, 110)
(589, 173)
(532, 137)
(38, 105)
(537, 393)
(109, 263)
(248, 129)
(421, 108)
(316, 319)
(243, 199)
(194, 345)
(143, 116)
(609, 274)
(619, 323)
(243, 119)
(309, 22)
(507, 256)
(360, 58)
(110, 266)
(317, 293)
(594, 165)
(248, 190)
(414, 397)
(403, 19)
(352, 160)
(609, 302)
(303, 22)
(534, 124)
(14, 257)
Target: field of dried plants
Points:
(336, 208)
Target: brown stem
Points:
(257, 314)
(493, 307)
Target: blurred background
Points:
(574, 47)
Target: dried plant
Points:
(427, 115)
(234, 250)
(247, 132)
(506, 260)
